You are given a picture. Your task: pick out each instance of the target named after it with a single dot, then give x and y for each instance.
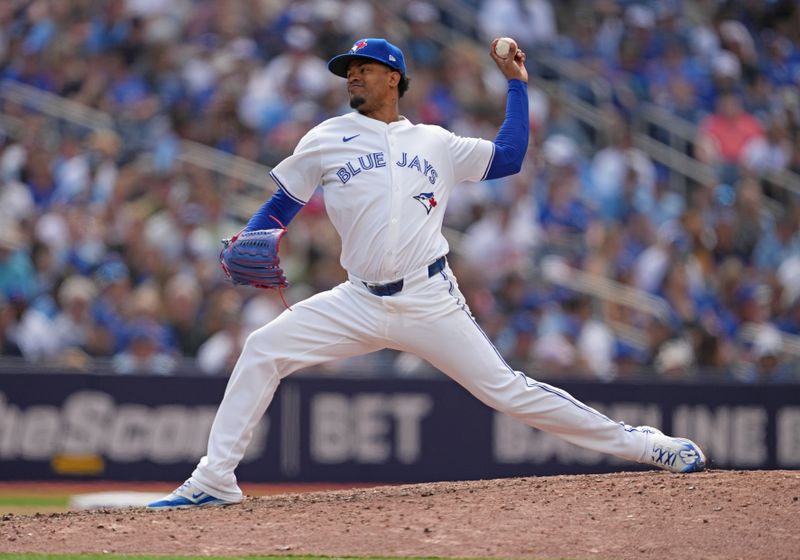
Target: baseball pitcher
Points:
(386, 183)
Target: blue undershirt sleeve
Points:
(280, 207)
(511, 142)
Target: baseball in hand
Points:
(503, 46)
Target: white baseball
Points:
(503, 46)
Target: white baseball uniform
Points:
(386, 187)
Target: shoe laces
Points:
(664, 455)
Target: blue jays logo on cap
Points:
(379, 50)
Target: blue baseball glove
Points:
(251, 259)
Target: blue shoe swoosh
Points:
(348, 138)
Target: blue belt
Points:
(392, 288)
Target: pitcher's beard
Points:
(357, 101)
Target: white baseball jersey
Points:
(386, 187)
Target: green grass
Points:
(138, 557)
(31, 500)
(29, 504)
(120, 557)
(143, 557)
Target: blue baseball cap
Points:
(379, 50)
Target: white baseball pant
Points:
(428, 318)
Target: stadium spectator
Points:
(618, 168)
(423, 48)
(73, 326)
(182, 310)
(8, 345)
(17, 274)
(763, 363)
(218, 354)
(498, 241)
(769, 153)
(142, 354)
(723, 136)
(531, 22)
(595, 341)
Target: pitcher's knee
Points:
(512, 398)
(258, 357)
(495, 401)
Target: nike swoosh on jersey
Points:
(348, 138)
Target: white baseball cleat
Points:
(187, 496)
(678, 455)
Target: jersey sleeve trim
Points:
(284, 189)
(489, 165)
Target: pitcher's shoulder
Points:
(431, 129)
(334, 123)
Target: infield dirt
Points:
(643, 515)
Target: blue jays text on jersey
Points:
(378, 159)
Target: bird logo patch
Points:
(427, 200)
(359, 45)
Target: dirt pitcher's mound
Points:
(713, 515)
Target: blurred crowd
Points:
(588, 263)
